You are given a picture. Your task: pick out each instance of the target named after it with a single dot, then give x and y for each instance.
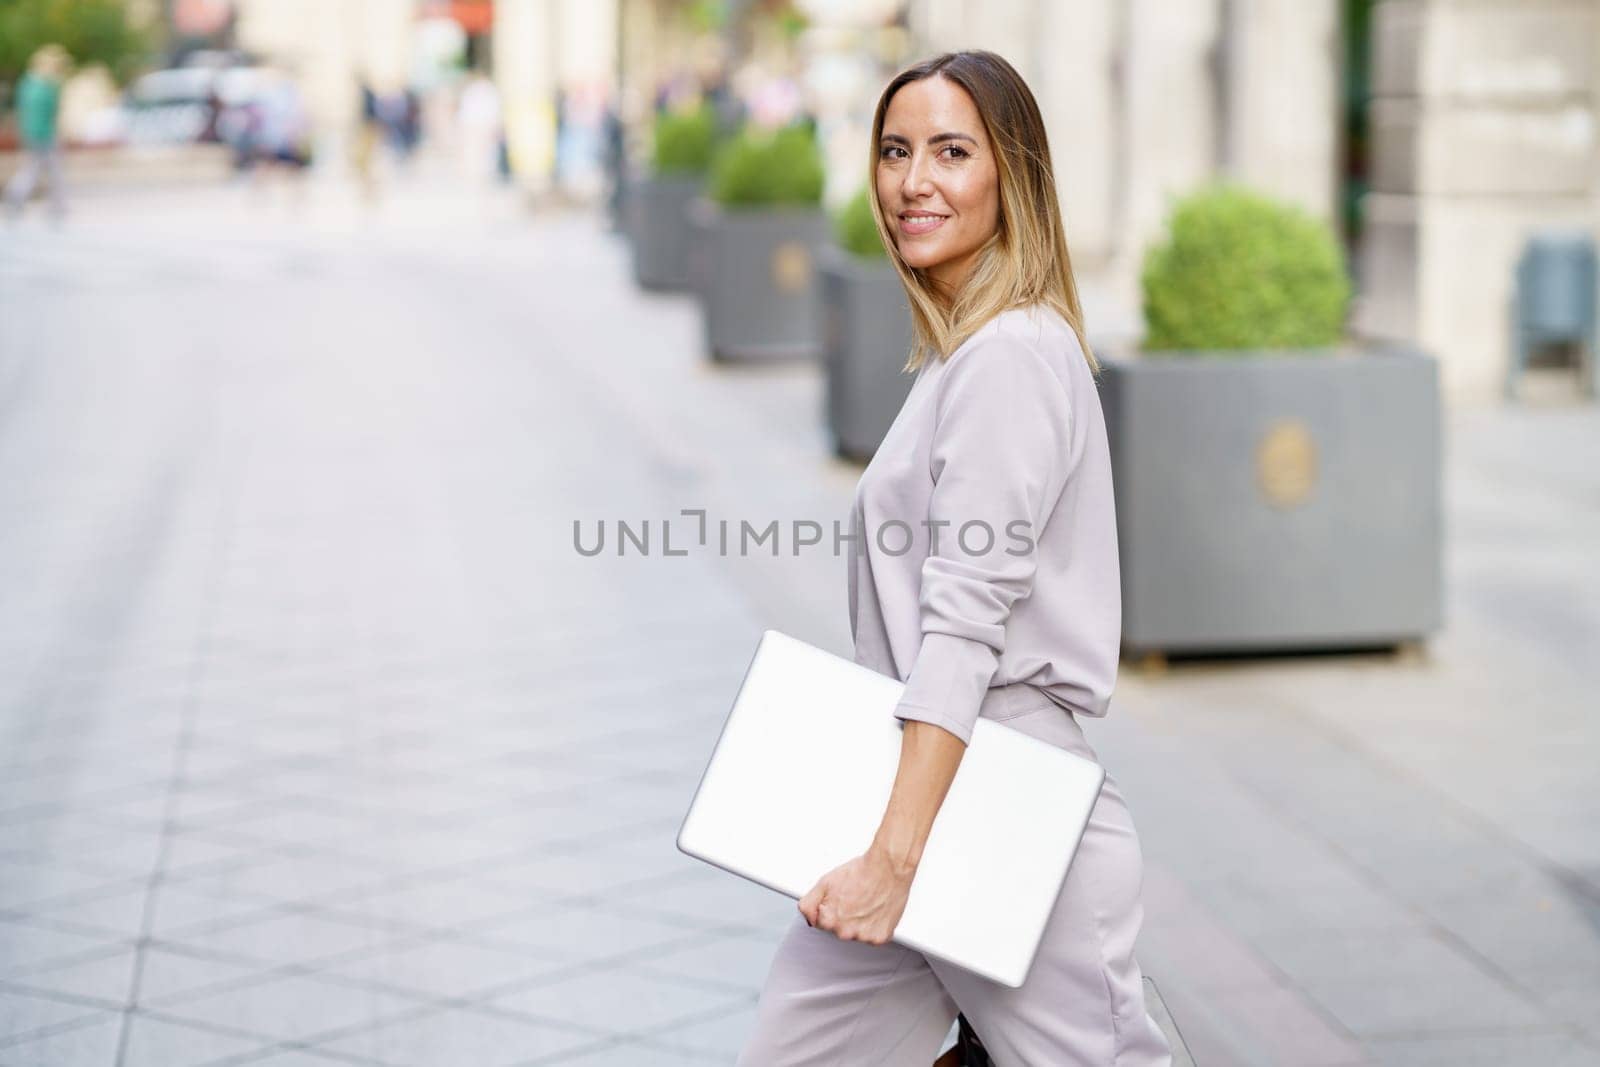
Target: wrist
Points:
(901, 855)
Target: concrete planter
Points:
(658, 227)
(759, 291)
(1276, 501)
(866, 336)
(703, 217)
(617, 197)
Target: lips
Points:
(915, 223)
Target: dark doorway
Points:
(1355, 157)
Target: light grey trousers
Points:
(38, 160)
(833, 1003)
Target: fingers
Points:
(809, 903)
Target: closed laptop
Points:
(800, 777)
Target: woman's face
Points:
(938, 184)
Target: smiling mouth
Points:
(913, 223)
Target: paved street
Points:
(321, 744)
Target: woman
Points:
(38, 107)
(1005, 604)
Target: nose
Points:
(917, 181)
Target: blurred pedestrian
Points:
(478, 119)
(38, 109)
(369, 135)
(402, 117)
(286, 128)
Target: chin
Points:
(921, 258)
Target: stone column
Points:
(328, 46)
(1075, 66)
(1280, 117)
(1483, 131)
(526, 34)
(1166, 130)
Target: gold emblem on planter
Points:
(1286, 463)
(791, 266)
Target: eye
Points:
(957, 152)
(889, 151)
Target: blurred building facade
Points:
(534, 50)
(1478, 126)
(1436, 135)
(1483, 121)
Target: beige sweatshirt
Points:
(983, 567)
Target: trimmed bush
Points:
(1241, 271)
(92, 31)
(856, 230)
(685, 141)
(767, 168)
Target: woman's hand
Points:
(861, 900)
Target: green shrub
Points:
(856, 230)
(92, 31)
(1241, 271)
(766, 168)
(685, 141)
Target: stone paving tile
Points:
(105, 979)
(1284, 1030)
(294, 1058)
(580, 934)
(25, 884)
(1209, 958)
(282, 938)
(736, 961)
(167, 975)
(1456, 998)
(273, 878)
(205, 902)
(1573, 1003)
(1543, 935)
(434, 905)
(90, 1045)
(655, 850)
(592, 999)
(447, 969)
(162, 1042)
(634, 1054)
(1485, 1049)
(114, 916)
(721, 1035)
(25, 947)
(570, 874)
(56, 833)
(453, 1035)
(23, 1015)
(288, 1007)
(707, 896)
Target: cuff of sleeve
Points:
(948, 682)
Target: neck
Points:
(948, 278)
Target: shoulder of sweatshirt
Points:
(1032, 333)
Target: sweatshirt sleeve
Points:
(1002, 433)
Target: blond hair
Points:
(50, 61)
(1026, 261)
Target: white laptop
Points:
(800, 777)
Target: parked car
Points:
(188, 104)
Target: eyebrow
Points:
(938, 138)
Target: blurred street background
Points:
(322, 743)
